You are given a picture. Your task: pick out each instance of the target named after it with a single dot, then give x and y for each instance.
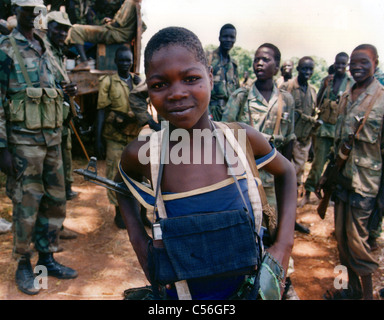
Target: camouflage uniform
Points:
(108, 34)
(360, 179)
(326, 133)
(305, 103)
(30, 127)
(225, 82)
(113, 95)
(66, 138)
(245, 104)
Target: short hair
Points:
(227, 26)
(122, 48)
(174, 36)
(342, 54)
(305, 58)
(369, 47)
(276, 51)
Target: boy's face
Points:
(340, 65)
(26, 16)
(179, 86)
(264, 64)
(362, 65)
(305, 69)
(227, 38)
(124, 61)
(57, 33)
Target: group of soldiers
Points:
(37, 102)
(295, 118)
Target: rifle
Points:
(328, 180)
(90, 174)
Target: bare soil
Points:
(107, 264)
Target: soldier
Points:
(265, 107)
(225, 73)
(360, 182)
(328, 97)
(30, 135)
(286, 73)
(58, 26)
(304, 95)
(120, 29)
(117, 122)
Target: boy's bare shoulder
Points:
(133, 158)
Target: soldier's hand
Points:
(6, 162)
(70, 89)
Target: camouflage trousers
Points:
(38, 197)
(114, 151)
(322, 146)
(299, 158)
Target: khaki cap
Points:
(29, 3)
(59, 17)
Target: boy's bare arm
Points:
(130, 208)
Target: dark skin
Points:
(227, 40)
(179, 87)
(57, 33)
(305, 69)
(340, 64)
(265, 67)
(362, 66)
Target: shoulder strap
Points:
(20, 60)
(374, 97)
(279, 113)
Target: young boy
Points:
(333, 86)
(304, 95)
(179, 85)
(360, 185)
(117, 122)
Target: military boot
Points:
(54, 268)
(25, 278)
(69, 193)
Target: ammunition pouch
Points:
(37, 108)
(329, 111)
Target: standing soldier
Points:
(266, 108)
(58, 26)
(328, 98)
(225, 73)
(360, 184)
(117, 122)
(30, 135)
(304, 95)
(286, 73)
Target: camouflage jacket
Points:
(328, 106)
(225, 77)
(41, 74)
(246, 105)
(114, 96)
(305, 108)
(363, 168)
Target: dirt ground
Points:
(107, 264)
